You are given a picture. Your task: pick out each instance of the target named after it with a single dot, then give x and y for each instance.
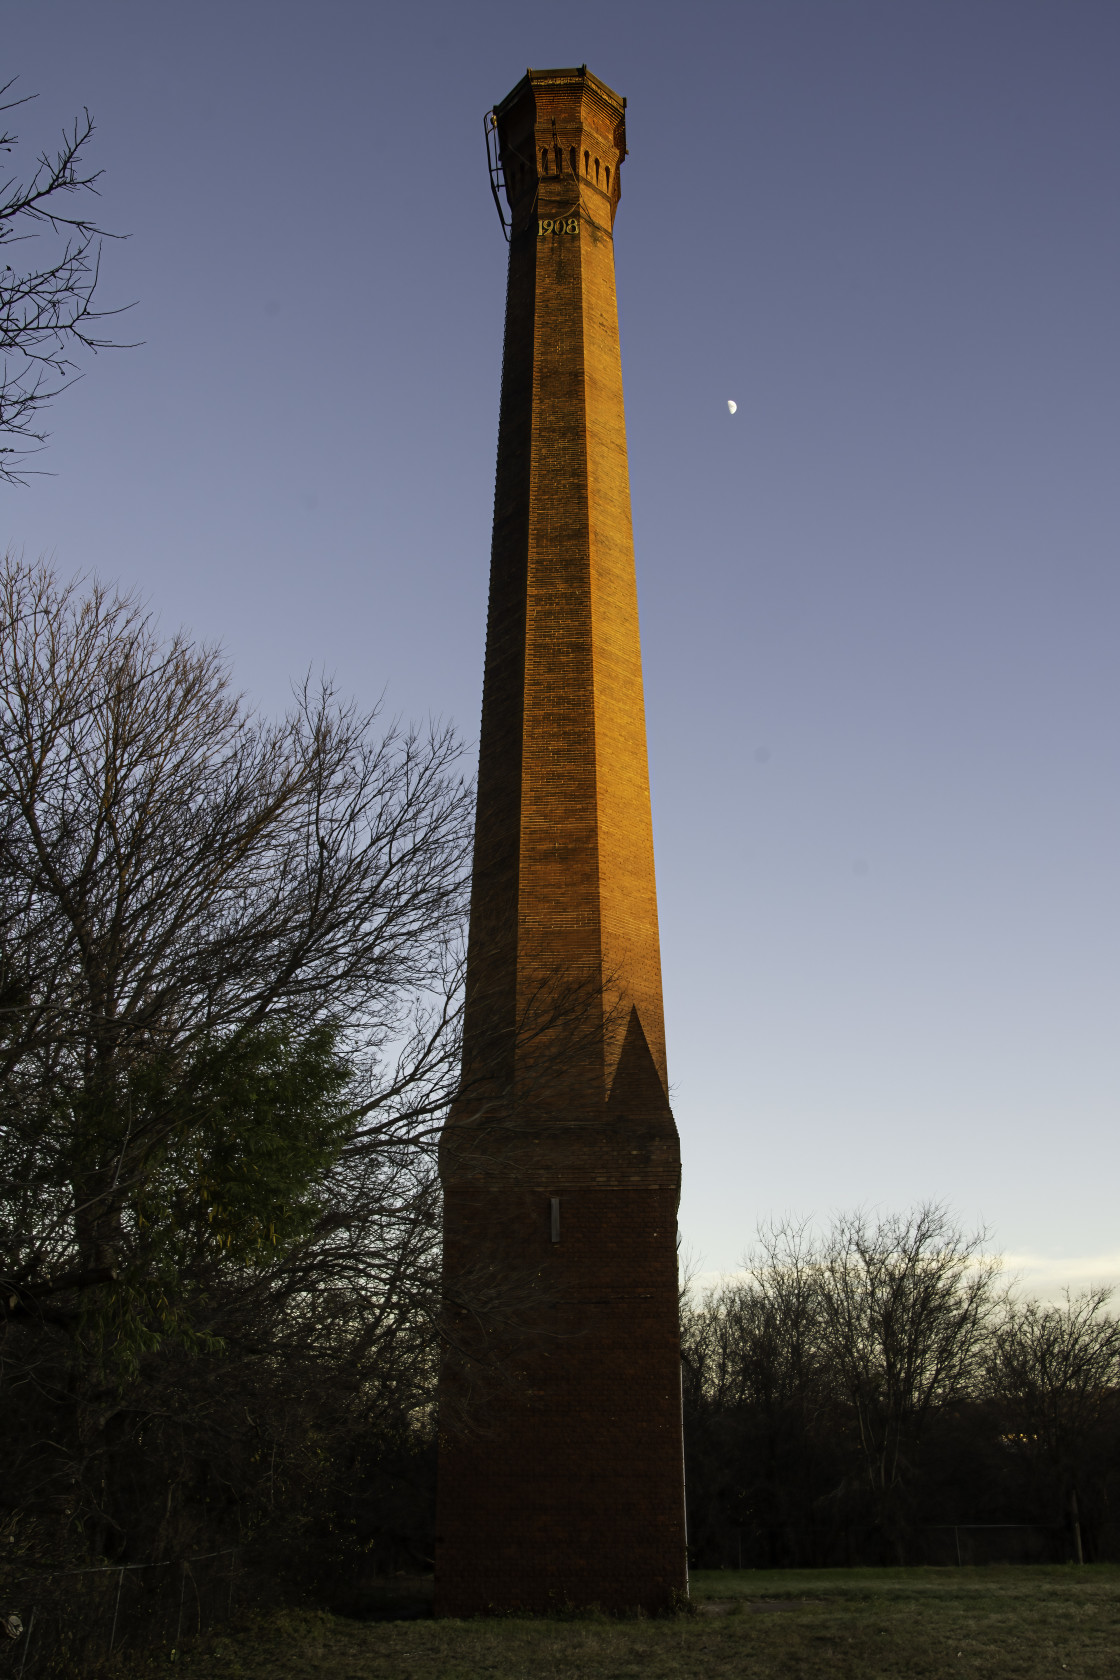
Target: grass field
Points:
(1012, 1623)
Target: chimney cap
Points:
(566, 73)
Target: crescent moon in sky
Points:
(732, 406)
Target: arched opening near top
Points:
(607, 171)
(596, 171)
(587, 163)
(544, 160)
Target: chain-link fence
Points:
(72, 1622)
(982, 1543)
(941, 1545)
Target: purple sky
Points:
(879, 603)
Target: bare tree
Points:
(756, 1341)
(177, 875)
(905, 1301)
(229, 1027)
(47, 312)
(1054, 1372)
(871, 1331)
(755, 1391)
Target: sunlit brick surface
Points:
(561, 1477)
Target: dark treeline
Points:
(852, 1397)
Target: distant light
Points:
(731, 406)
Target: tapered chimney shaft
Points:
(561, 1474)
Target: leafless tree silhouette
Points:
(47, 311)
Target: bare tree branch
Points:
(47, 312)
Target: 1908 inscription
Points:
(558, 224)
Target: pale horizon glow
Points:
(1045, 1278)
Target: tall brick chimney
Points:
(561, 1470)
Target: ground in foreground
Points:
(1012, 1623)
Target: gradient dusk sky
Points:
(879, 603)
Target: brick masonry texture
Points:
(561, 1475)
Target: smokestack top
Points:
(574, 74)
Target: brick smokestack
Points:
(561, 1471)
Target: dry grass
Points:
(864, 1624)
